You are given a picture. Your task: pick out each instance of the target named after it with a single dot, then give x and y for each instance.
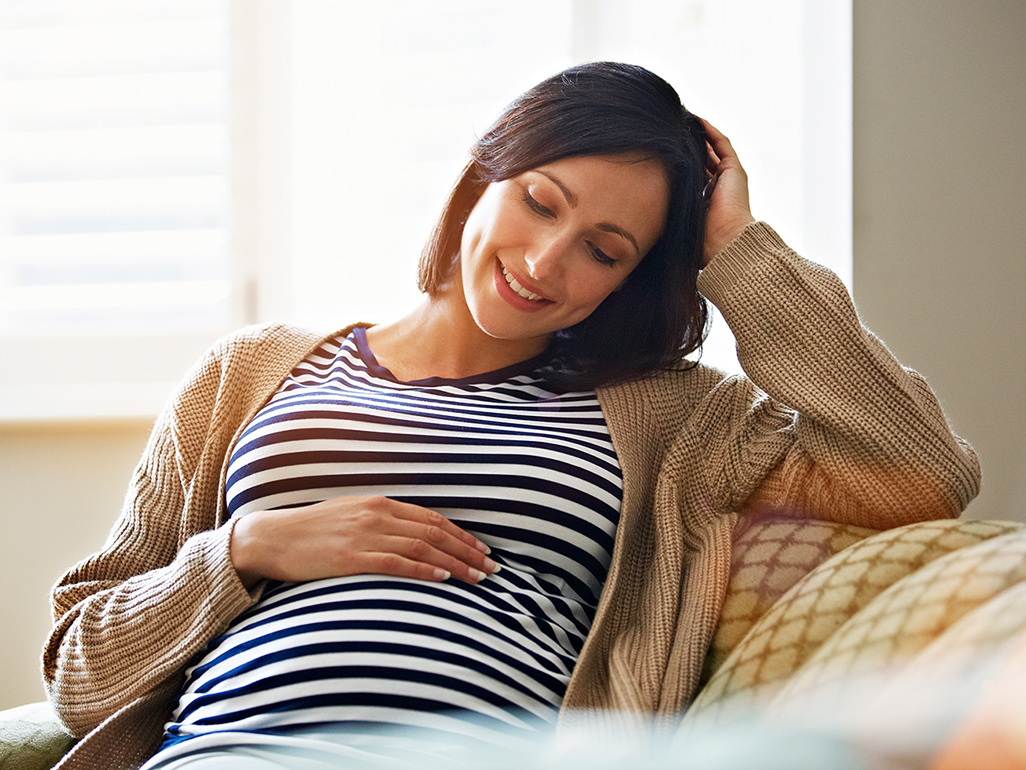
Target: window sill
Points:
(129, 376)
(22, 405)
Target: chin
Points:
(509, 329)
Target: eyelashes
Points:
(536, 207)
(600, 256)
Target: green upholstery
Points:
(31, 738)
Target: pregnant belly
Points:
(374, 650)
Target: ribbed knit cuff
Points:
(225, 579)
(737, 259)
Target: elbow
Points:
(80, 696)
(84, 696)
(937, 483)
(918, 496)
(970, 477)
(76, 721)
(73, 701)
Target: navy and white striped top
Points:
(530, 472)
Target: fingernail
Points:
(483, 548)
(441, 574)
(477, 575)
(490, 566)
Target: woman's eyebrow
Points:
(609, 227)
(571, 198)
(567, 192)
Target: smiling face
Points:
(542, 250)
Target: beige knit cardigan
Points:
(826, 423)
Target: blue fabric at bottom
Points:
(776, 749)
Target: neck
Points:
(440, 338)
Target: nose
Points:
(545, 258)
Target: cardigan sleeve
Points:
(128, 618)
(862, 439)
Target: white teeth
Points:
(515, 286)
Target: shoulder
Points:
(687, 380)
(270, 345)
(268, 338)
(230, 381)
(668, 398)
(248, 363)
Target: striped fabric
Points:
(530, 472)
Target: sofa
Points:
(837, 646)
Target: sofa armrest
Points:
(32, 738)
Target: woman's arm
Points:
(867, 441)
(128, 618)
(172, 576)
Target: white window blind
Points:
(114, 197)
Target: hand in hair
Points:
(729, 209)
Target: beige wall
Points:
(939, 225)
(62, 488)
(940, 273)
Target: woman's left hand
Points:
(729, 210)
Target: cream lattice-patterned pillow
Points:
(873, 605)
(770, 555)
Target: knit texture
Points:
(826, 424)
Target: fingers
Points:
(712, 160)
(719, 145)
(728, 211)
(350, 535)
(414, 557)
(712, 163)
(435, 519)
(430, 538)
(399, 566)
(720, 157)
(420, 539)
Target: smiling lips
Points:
(520, 291)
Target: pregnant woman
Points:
(514, 506)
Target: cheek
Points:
(486, 220)
(592, 291)
(472, 228)
(499, 221)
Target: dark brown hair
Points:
(604, 108)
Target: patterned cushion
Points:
(31, 738)
(773, 553)
(943, 591)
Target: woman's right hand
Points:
(355, 535)
(729, 207)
